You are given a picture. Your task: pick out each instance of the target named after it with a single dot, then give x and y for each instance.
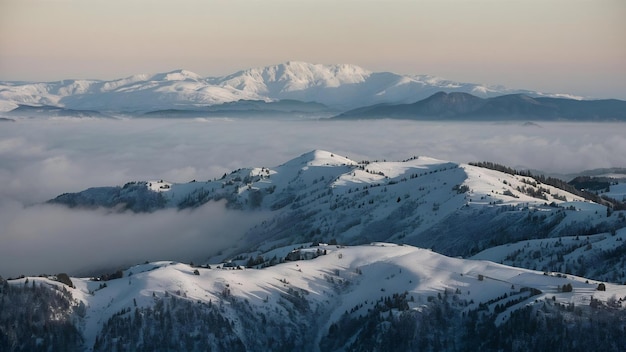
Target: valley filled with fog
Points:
(40, 159)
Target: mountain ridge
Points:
(329, 298)
(419, 201)
(341, 86)
(464, 106)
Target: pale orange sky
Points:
(575, 46)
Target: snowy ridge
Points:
(340, 283)
(337, 86)
(457, 209)
(320, 158)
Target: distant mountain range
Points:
(243, 108)
(51, 111)
(464, 106)
(335, 88)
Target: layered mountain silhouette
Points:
(464, 106)
(52, 111)
(243, 108)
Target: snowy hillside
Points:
(337, 86)
(455, 209)
(601, 256)
(373, 297)
(350, 257)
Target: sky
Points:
(559, 46)
(43, 158)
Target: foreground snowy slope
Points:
(338, 86)
(312, 304)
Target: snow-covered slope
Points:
(601, 256)
(176, 89)
(310, 305)
(337, 86)
(455, 209)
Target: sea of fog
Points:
(40, 159)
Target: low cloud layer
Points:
(51, 239)
(41, 159)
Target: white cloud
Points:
(51, 239)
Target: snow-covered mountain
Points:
(337, 86)
(456, 209)
(329, 298)
(336, 267)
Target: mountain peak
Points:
(294, 77)
(320, 157)
(177, 75)
(299, 67)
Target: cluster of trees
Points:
(440, 326)
(538, 192)
(592, 183)
(566, 288)
(461, 188)
(133, 196)
(38, 317)
(603, 264)
(172, 324)
(195, 199)
(118, 274)
(555, 182)
(175, 323)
